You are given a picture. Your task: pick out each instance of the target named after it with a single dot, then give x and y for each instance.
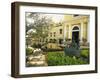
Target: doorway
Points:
(75, 35)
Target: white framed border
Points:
(55, 69)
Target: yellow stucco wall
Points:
(69, 23)
(57, 35)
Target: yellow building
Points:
(77, 26)
(74, 27)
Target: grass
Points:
(58, 58)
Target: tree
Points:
(40, 23)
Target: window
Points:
(60, 31)
(75, 28)
(54, 40)
(50, 40)
(50, 34)
(54, 34)
(60, 41)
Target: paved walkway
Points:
(39, 60)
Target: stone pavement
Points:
(37, 60)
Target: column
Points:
(88, 31)
(81, 31)
(64, 38)
(69, 32)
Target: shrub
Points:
(85, 53)
(29, 51)
(36, 45)
(54, 50)
(58, 58)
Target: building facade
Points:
(74, 28)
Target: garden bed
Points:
(59, 58)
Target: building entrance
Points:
(75, 35)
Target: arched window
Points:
(75, 28)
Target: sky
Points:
(55, 17)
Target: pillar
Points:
(69, 32)
(65, 30)
(88, 31)
(81, 31)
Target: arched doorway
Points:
(75, 34)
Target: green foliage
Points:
(40, 24)
(36, 45)
(85, 53)
(58, 58)
(29, 51)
